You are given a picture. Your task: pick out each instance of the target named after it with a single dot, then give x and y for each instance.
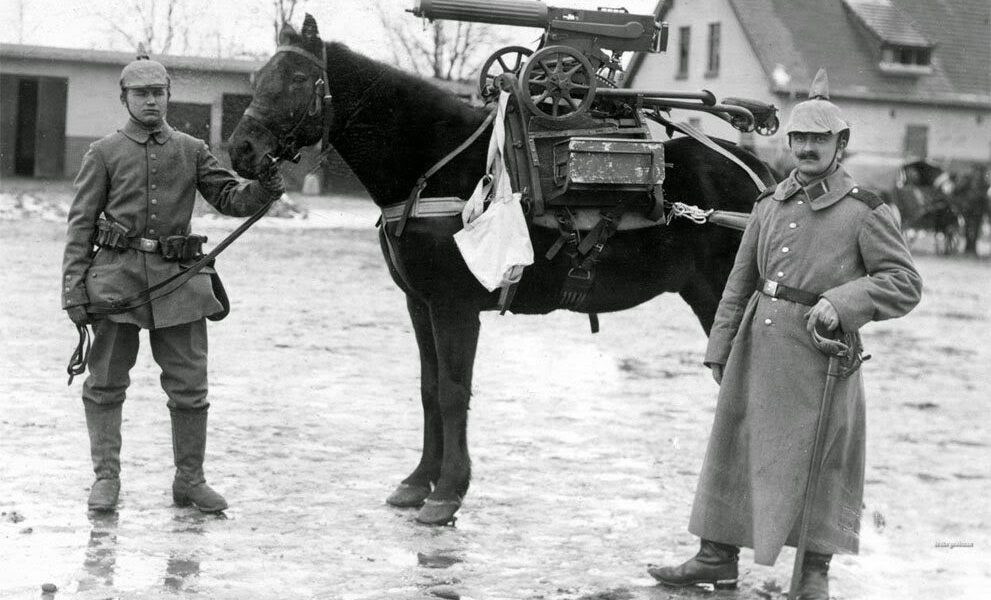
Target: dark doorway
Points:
(27, 123)
(193, 119)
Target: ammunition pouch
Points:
(181, 247)
(110, 234)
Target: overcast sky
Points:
(227, 25)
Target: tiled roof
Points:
(197, 63)
(802, 35)
(887, 22)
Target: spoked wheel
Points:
(558, 82)
(504, 60)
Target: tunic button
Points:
(801, 201)
(767, 321)
(781, 273)
(152, 231)
(154, 200)
(154, 216)
(785, 249)
(774, 299)
(854, 190)
(154, 186)
(154, 170)
(790, 225)
(153, 156)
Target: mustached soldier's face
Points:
(148, 105)
(813, 152)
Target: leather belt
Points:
(777, 290)
(143, 244)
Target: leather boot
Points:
(815, 577)
(103, 424)
(715, 564)
(189, 447)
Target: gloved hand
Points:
(272, 182)
(77, 314)
(823, 312)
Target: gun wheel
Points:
(559, 83)
(504, 60)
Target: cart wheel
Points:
(559, 83)
(504, 60)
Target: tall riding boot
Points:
(103, 424)
(189, 446)
(715, 564)
(815, 577)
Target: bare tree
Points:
(451, 50)
(163, 25)
(283, 13)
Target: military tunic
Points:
(824, 240)
(148, 183)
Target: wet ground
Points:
(586, 448)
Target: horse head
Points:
(291, 106)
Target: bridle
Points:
(286, 145)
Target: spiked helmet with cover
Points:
(817, 114)
(144, 72)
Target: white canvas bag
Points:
(495, 243)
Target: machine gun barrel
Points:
(521, 13)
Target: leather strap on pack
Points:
(421, 183)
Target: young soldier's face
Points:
(147, 104)
(813, 152)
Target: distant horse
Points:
(390, 127)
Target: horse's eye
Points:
(299, 78)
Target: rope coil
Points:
(687, 211)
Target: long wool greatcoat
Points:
(826, 239)
(148, 183)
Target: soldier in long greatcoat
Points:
(818, 251)
(134, 199)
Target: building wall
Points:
(93, 107)
(879, 128)
(740, 73)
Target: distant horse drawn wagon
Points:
(614, 216)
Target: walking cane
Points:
(848, 356)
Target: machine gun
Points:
(571, 73)
(572, 58)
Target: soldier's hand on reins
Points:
(78, 315)
(823, 312)
(272, 182)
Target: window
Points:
(684, 43)
(712, 69)
(917, 141)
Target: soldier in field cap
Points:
(129, 229)
(818, 251)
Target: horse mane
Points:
(423, 96)
(399, 124)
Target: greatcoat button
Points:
(767, 321)
(801, 201)
(781, 273)
(785, 249)
(790, 225)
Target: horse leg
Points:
(702, 291)
(414, 489)
(455, 330)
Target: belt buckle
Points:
(149, 245)
(771, 288)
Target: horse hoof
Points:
(408, 496)
(438, 512)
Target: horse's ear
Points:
(287, 35)
(311, 37)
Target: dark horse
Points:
(391, 127)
